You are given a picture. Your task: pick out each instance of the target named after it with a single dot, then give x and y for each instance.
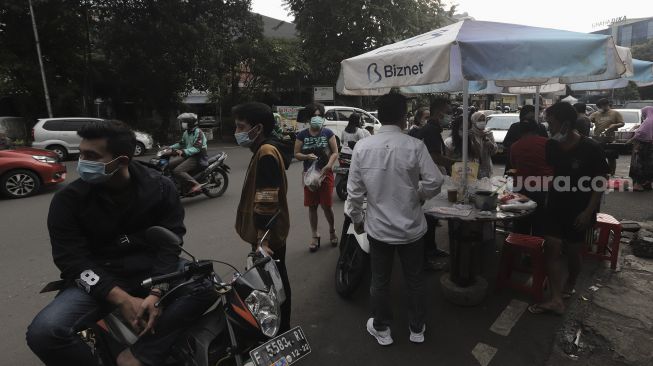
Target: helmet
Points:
(190, 119)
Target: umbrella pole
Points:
(465, 134)
(537, 103)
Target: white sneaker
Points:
(417, 337)
(383, 337)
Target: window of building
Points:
(650, 29)
(626, 35)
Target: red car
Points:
(24, 170)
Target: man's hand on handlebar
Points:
(148, 312)
(129, 308)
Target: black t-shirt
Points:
(431, 134)
(583, 126)
(517, 131)
(575, 171)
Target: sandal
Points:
(334, 238)
(538, 309)
(314, 246)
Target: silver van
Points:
(60, 136)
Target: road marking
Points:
(484, 353)
(509, 317)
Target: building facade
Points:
(630, 32)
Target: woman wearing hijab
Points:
(641, 165)
(481, 144)
(317, 144)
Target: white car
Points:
(632, 120)
(499, 124)
(337, 118)
(60, 136)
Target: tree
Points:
(643, 51)
(333, 30)
(276, 66)
(157, 50)
(63, 44)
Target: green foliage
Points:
(630, 92)
(62, 36)
(141, 55)
(276, 65)
(643, 51)
(333, 30)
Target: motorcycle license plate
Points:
(282, 350)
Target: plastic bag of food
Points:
(313, 178)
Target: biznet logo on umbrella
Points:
(392, 71)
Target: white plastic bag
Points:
(313, 178)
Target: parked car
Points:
(498, 124)
(632, 120)
(24, 171)
(60, 136)
(638, 104)
(208, 122)
(337, 118)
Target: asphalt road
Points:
(335, 327)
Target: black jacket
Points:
(87, 232)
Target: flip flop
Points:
(568, 294)
(537, 309)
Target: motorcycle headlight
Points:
(265, 308)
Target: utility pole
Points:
(38, 51)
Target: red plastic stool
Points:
(607, 238)
(526, 244)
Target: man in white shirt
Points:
(396, 173)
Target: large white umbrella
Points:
(508, 54)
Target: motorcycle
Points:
(240, 328)
(213, 177)
(342, 170)
(353, 261)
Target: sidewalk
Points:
(614, 318)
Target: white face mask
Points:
(184, 126)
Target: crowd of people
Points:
(96, 223)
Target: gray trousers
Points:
(181, 166)
(412, 264)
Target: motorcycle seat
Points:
(215, 158)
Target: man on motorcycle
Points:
(264, 189)
(188, 153)
(96, 227)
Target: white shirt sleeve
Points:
(364, 133)
(431, 182)
(355, 191)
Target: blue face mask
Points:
(317, 122)
(243, 139)
(94, 172)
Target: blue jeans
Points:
(52, 336)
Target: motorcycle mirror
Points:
(161, 235)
